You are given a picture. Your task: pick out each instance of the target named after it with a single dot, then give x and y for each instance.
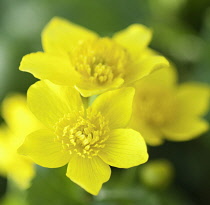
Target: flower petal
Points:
(124, 148)
(115, 106)
(89, 173)
(44, 150)
(151, 135)
(50, 102)
(185, 128)
(16, 173)
(166, 77)
(87, 90)
(60, 36)
(6, 149)
(48, 66)
(144, 67)
(18, 117)
(135, 38)
(17, 167)
(194, 98)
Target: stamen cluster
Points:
(84, 134)
(100, 61)
(158, 106)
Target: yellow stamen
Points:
(84, 134)
(157, 106)
(100, 61)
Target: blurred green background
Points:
(181, 32)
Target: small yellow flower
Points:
(78, 57)
(164, 110)
(88, 139)
(20, 122)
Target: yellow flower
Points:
(20, 122)
(88, 139)
(78, 57)
(164, 110)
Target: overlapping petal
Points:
(151, 135)
(90, 174)
(166, 77)
(144, 67)
(41, 146)
(115, 106)
(60, 36)
(50, 102)
(134, 38)
(124, 148)
(86, 89)
(57, 69)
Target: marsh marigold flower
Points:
(75, 56)
(164, 110)
(19, 123)
(87, 139)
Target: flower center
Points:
(100, 61)
(156, 105)
(84, 134)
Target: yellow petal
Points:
(166, 77)
(124, 148)
(50, 102)
(16, 167)
(41, 146)
(60, 36)
(151, 135)
(18, 117)
(48, 66)
(185, 128)
(144, 67)
(194, 98)
(115, 106)
(135, 38)
(6, 149)
(87, 90)
(89, 173)
(21, 171)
